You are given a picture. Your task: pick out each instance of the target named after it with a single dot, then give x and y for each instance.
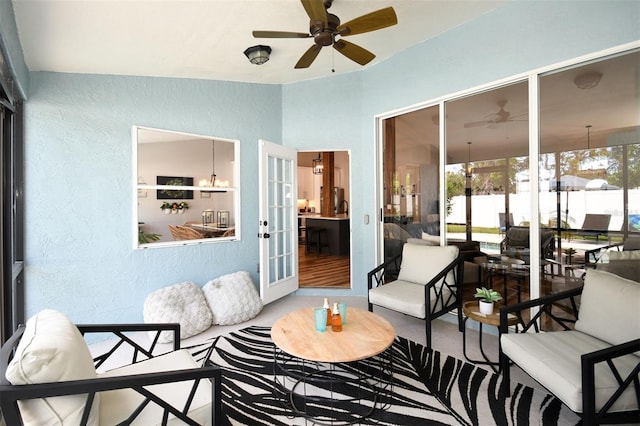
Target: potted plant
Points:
(166, 207)
(183, 206)
(569, 252)
(488, 297)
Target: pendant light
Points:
(318, 166)
(213, 181)
(469, 170)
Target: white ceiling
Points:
(205, 39)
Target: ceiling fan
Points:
(324, 27)
(492, 120)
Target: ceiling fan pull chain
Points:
(333, 65)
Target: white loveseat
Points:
(575, 364)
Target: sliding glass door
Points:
(586, 179)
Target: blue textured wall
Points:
(79, 175)
(338, 112)
(78, 155)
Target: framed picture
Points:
(174, 194)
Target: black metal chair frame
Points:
(11, 394)
(378, 276)
(547, 243)
(588, 361)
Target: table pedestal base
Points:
(333, 393)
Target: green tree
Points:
(455, 186)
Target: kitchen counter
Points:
(337, 231)
(318, 216)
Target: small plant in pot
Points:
(488, 297)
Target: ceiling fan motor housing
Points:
(324, 36)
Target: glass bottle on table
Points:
(336, 319)
(328, 308)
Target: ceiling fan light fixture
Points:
(258, 55)
(588, 80)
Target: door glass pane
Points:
(411, 178)
(281, 213)
(487, 140)
(589, 172)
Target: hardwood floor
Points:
(323, 270)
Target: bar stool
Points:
(314, 240)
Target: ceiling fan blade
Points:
(354, 52)
(370, 22)
(476, 124)
(316, 10)
(308, 57)
(279, 34)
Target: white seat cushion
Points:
(553, 359)
(117, 405)
(405, 297)
(232, 298)
(183, 303)
(52, 350)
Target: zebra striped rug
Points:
(428, 388)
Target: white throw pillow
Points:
(183, 303)
(435, 239)
(232, 298)
(422, 242)
(52, 350)
(609, 307)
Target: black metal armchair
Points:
(428, 284)
(144, 393)
(602, 378)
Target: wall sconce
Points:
(258, 55)
(318, 166)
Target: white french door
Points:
(278, 226)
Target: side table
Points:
(471, 310)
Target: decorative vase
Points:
(174, 211)
(180, 211)
(485, 307)
(166, 211)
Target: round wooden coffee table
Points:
(332, 377)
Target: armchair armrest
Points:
(588, 364)
(592, 256)
(545, 303)
(380, 272)
(119, 330)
